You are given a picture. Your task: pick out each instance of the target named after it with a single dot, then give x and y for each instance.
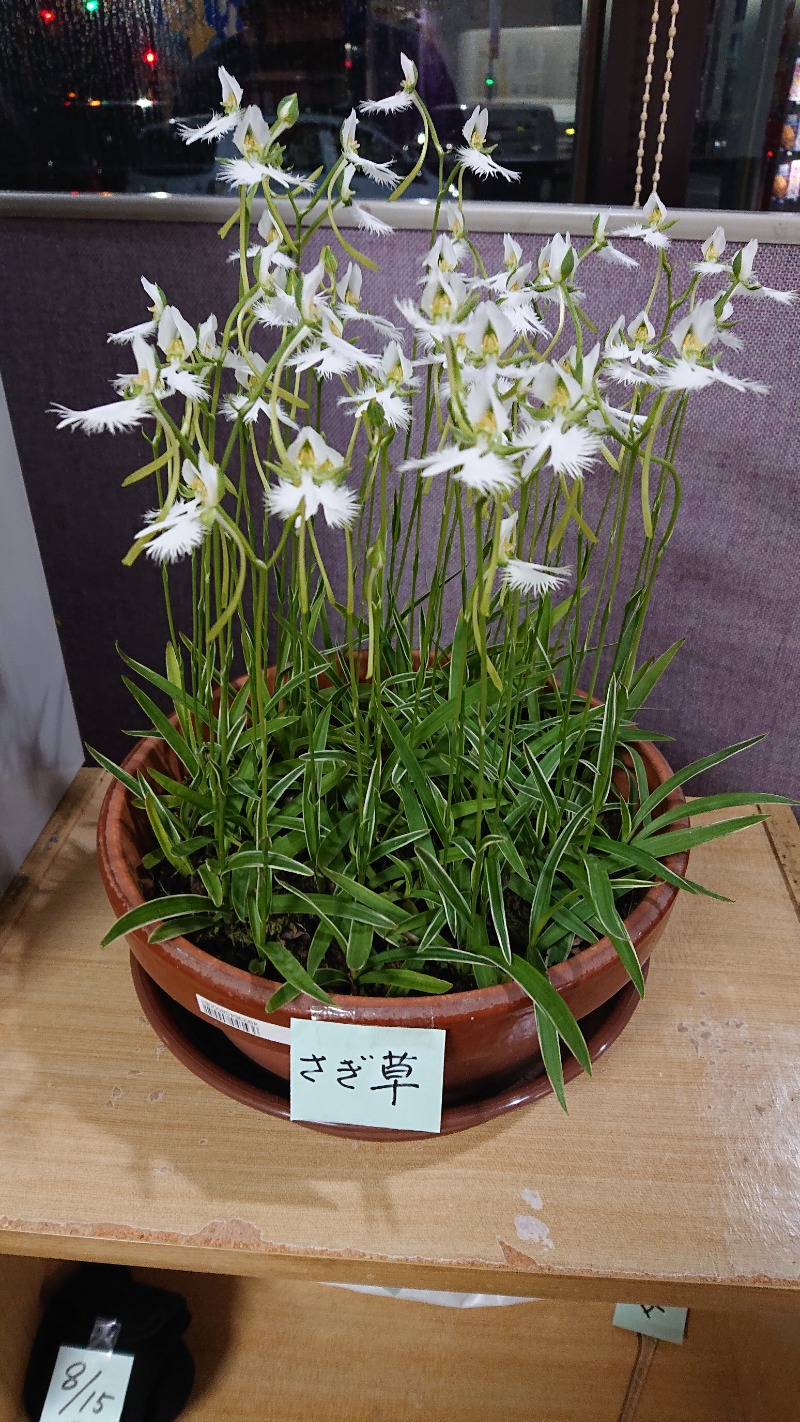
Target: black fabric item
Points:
(152, 1322)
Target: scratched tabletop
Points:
(676, 1167)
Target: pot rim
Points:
(125, 893)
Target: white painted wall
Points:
(40, 748)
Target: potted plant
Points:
(379, 788)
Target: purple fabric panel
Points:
(729, 582)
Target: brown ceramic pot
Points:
(491, 1032)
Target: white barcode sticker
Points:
(251, 1025)
(87, 1383)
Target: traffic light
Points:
(48, 16)
(150, 57)
(91, 6)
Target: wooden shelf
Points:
(672, 1180)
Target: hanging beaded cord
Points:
(665, 97)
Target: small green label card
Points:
(367, 1076)
(668, 1324)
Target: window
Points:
(92, 91)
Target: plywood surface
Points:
(673, 1178)
(298, 1350)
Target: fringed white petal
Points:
(533, 578)
(216, 126)
(484, 165)
(130, 333)
(111, 418)
(393, 104)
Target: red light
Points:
(48, 16)
(150, 57)
(348, 64)
(770, 153)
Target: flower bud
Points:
(288, 110)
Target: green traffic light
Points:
(489, 81)
(91, 6)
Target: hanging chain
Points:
(648, 79)
(662, 126)
(665, 97)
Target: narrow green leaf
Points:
(289, 968)
(154, 911)
(164, 727)
(675, 841)
(359, 946)
(602, 895)
(407, 980)
(705, 804)
(688, 773)
(282, 997)
(439, 877)
(115, 770)
(551, 1054)
(182, 927)
(497, 906)
(540, 908)
(366, 896)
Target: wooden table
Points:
(675, 1178)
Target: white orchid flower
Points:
(508, 533)
(568, 449)
(380, 173)
(315, 468)
(747, 284)
(310, 453)
(477, 466)
(111, 418)
(176, 338)
(174, 534)
(328, 354)
(555, 263)
(483, 466)
(267, 260)
(605, 249)
(348, 288)
(398, 101)
(207, 338)
(692, 338)
(248, 372)
(442, 298)
(218, 123)
(365, 219)
(347, 308)
(712, 250)
(254, 140)
(395, 410)
(651, 229)
(532, 578)
(625, 357)
(143, 328)
(488, 331)
(445, 255)
(303, 499)
(204, 480)
(475, 155)
(395, 366)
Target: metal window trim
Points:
(541, 218)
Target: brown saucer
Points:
(209, 1054)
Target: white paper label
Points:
(87, 1383)
(367, 1076)
(668, 1324)
(251, 1025)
